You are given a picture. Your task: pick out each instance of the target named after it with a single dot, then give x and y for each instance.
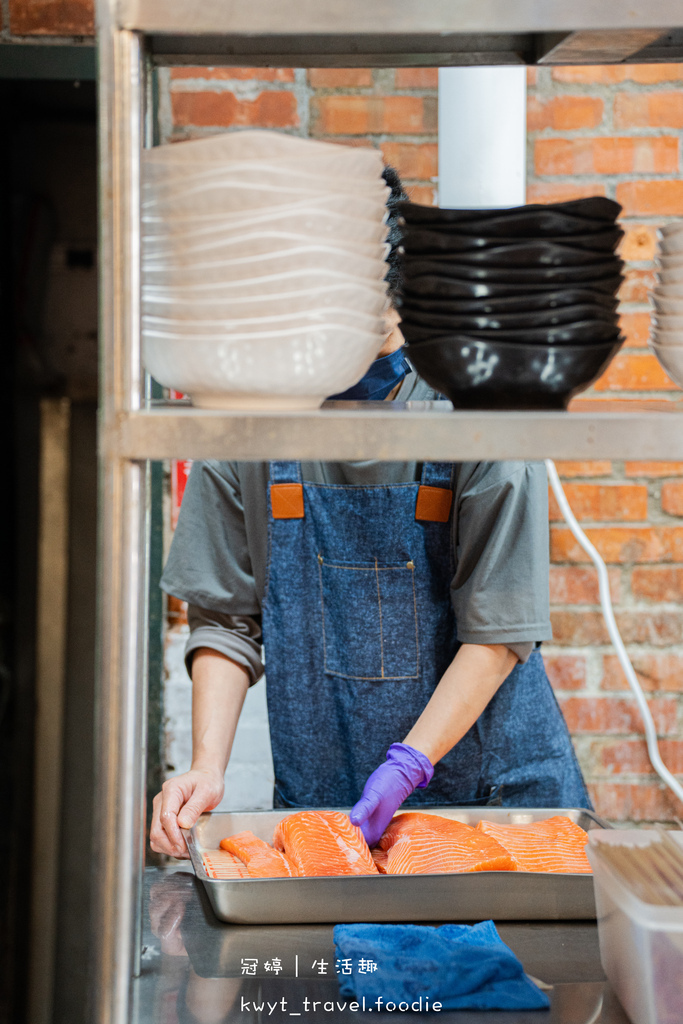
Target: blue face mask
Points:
(380, 380)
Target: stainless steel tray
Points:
(475, 896)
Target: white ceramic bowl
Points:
(671, 276)
(671, 358)
(182, 252)
(675, 227)
(354, 168)
(672, 246)
(173, 273)
(667, 322)
(277, 370)
(672, 262)
(261, 144)
(666, 305)
(349, 297)
(336, 205)
(181, 179)
(334, 228)
(664, 337)
(668, 291)
(258, 324)
(261, 285)
(235, 196)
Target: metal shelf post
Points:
(123, 536)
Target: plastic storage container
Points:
(641, 945)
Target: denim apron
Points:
(358, 629)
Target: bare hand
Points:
(181, 801)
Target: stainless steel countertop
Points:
(192, 968)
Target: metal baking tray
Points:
(472, 896)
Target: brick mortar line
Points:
(599, 90)
(630, 177)
(371, 90)
(302, 93)
(622, 178)
(10, 38)
(380, 138)
(627, 602)
(599, 132)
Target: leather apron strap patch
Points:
(287, 501)
(433, 504)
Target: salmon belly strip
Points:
(323, 843)
(426, 844)
(556, 844)
(221, 864)
(260, 859)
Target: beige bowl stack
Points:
(263, 265)
(666, 334)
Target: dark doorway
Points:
(48, 317)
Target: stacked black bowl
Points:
(511, 308)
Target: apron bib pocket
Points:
(369, 620)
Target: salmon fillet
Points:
(220, 864)
(261, 860)
(426, 844)
(323, 843)
(380, 858)
(556, 844)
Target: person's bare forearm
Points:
(219, 687)
(465, 689)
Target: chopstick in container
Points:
(653, 872)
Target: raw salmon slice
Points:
(380, 858)
(261, 860)
(556, 844)
(323, 843)
(426, 844)
(221, 864)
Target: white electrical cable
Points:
(614, 634)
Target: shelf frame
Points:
(134, 35)
(346, 431)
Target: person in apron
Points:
(377, 695)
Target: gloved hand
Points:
(404, 770)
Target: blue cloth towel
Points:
(464, 967)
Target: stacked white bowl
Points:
(263, 265)
(666, 334)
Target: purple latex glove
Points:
(404, 770)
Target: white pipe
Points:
(614, 634)
(482, 136)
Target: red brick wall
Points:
(63, 18)
(616, 131)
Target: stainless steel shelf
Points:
(420, 430)
(395, 32)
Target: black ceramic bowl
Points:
(507, 321)
(527, 302)
(435, 240)
(455, 266)
(574, 217)
(584, 332)
(437, 285)
(530, 255)
(490, 375)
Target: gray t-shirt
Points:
(217, 561)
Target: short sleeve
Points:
(209, 564)
(501, 537)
